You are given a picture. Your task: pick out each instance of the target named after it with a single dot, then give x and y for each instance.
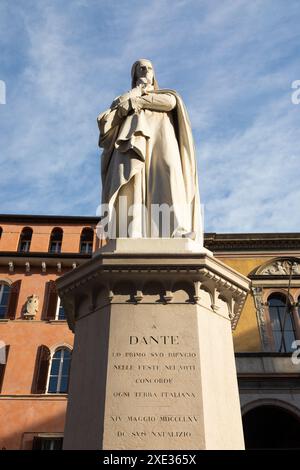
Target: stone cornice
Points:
(42, 254)
(201, 272)
(134, 262)
(36, 397)
(41, 260)
(252, 242)
(48, 219)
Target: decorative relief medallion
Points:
(283, 267)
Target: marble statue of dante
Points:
(149, 158)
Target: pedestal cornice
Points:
(195, 273)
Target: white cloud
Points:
(253, 174)
(233, 62)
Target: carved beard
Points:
(146, 83)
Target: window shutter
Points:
(3, 367)
(41, 369)
(13, 300)
(51, 298)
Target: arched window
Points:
(25, 240)
(86, 241)
(56, 241)
(59, 371)
(282, 322)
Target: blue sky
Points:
(233, 62)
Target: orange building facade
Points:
(36, 343)
(31, 413)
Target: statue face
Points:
(144, 71)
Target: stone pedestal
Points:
(153, 362)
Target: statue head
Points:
(142, 70)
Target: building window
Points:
(86, 241)
(41, 369)
(52, 373)
(9, 296)
(56, 241)
(47, 443)
(1, 230)
(60, 311)
(59, 371)
(282, 322)
(25, 240)
(53, 309)
(4, 297)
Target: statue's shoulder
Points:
(168, 90)
(116, 101)
(171, 92)
(180, 106)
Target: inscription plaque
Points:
(153, 380)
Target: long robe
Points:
(149, 158)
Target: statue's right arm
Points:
(154, 102)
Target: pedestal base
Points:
(153, 363)
(165, 246)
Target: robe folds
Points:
(149, 157)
